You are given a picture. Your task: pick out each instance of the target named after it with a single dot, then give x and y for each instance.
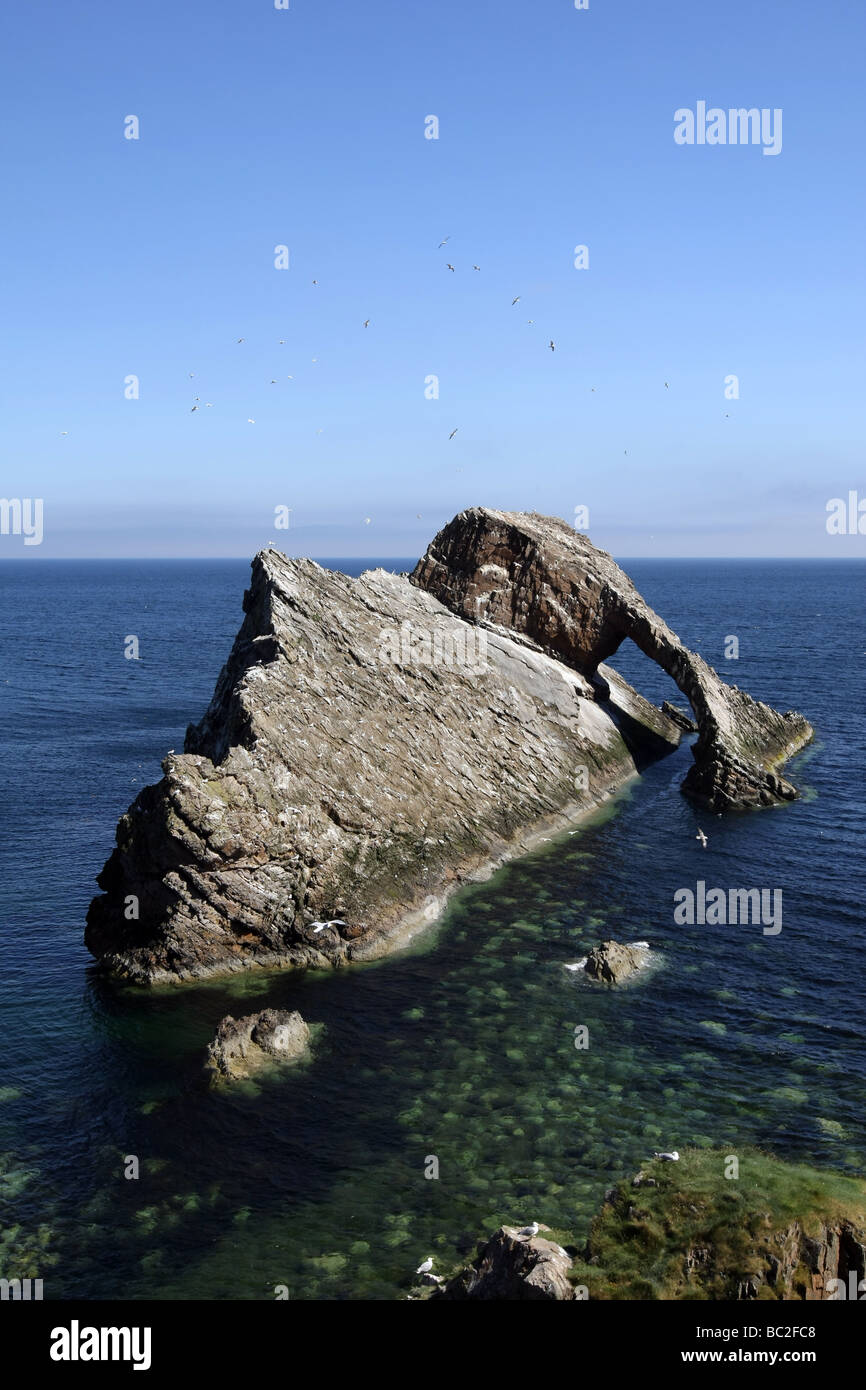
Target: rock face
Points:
(804, 1266)
(613, 962)
(514, 1267)
(368, 747)
(536, 575)
(365, 751)
(243, 1046)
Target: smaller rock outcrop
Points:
(515, 1267)
(613, 961)
(242, 1046)
(679, 717)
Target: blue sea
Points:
(459, 1049)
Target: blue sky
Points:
(305, 127)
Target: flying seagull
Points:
(529, 1231)
(367, 520)
(425, 1266)
(334, 922)
(453, 432)
(476, 267)
(552, 346)
(366, 323)
(241, 340)
(250, 422)
(702, 837)
(209, 405)
(515, 301)
(64, 431)
(672, 1157)
(449, 266)
(195, 407)
(442, 243)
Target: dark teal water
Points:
(461, 1048)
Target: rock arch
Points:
(536, 575)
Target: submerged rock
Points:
(613, 961)
(515, 1267)
(373, 742)
(242, 1046)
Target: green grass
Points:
(640, 1240)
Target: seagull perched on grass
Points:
(672, 1157)
(529, 1231)
(702, 837)
(425, 1266)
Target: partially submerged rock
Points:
(243, 1046)
(680, 718)
(515, 1267)
(614, 962)
(373, 742)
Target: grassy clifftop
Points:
(686, 1230)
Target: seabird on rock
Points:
(529, 1231)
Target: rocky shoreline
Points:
(695, 1229)
(373, 743)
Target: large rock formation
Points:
(537, 575)
(369, 746)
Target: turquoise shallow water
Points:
(461, 1048)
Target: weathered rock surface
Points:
(679, 717)
(368, 747)
(613, 961)
(537, 575)
(243, 1046)
(514, 1267)
(364, 752)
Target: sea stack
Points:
(373, 742)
